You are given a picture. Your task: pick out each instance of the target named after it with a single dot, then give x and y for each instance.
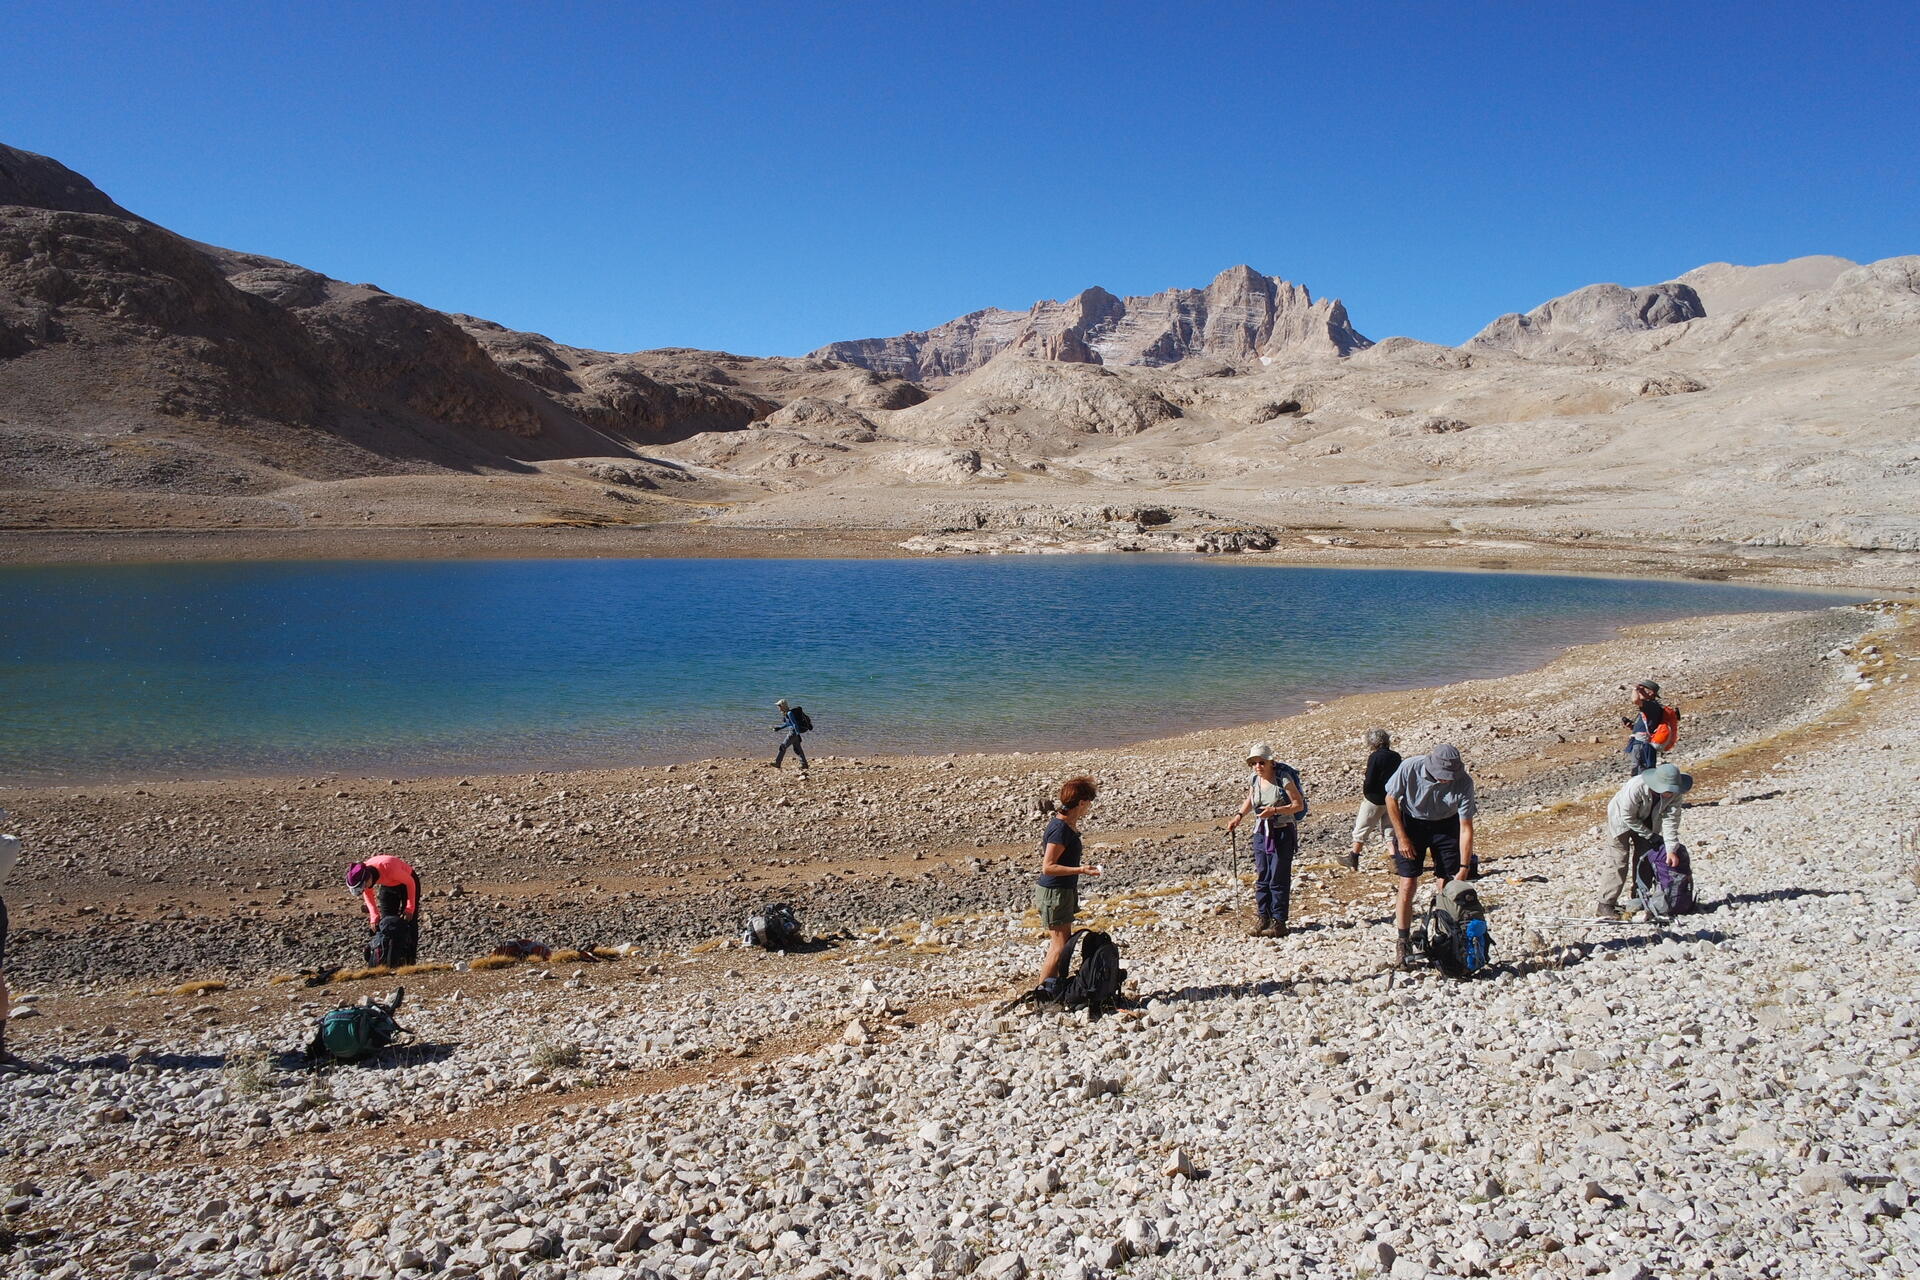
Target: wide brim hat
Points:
(1667, 778)
(1259, 751)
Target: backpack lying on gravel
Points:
(1664, 891)
(1095, 987)
(357, 1031)
(1453, 932)
(774, 927)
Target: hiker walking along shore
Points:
(1653, 728)
(1382, 760)
(391, 889)
(1642, 814)
(1277, 803)
(1056, 894)
(793, 723)
(1431, 805)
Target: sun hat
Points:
(782, 704)
(1667, 778)
(1259, 751)
(1443, 763)
(354, 874)
(1650, 685)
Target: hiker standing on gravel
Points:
(790, 730)
(1273, 797)
(9, 854)
(1642, 814)
(1382, 760)
(391, 889)
(1648, 727)
(1431, 805)
(1056, 895)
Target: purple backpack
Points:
(1665, 891)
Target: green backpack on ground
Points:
(356, 1031)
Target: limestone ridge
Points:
(1243, 319)
(1585, 316)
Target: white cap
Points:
(1259, 751)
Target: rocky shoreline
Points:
(1734, 1095)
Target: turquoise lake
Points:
(207, 670)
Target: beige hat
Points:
(1259, 751)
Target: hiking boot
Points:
(1353, 862)
(1262, 930)
(1400, 953)
(1279, 929)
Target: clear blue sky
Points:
(769, 177)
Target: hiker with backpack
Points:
(1643, 815)
(1277, 802)
(1653, 729)
(793, 723)
(1056, 894)
(1431, 806)
(1382, 760)
(391, 889)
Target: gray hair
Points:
(1377, 740)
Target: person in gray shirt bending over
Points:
(1430, 803)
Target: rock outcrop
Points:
(1243, 319)
(1574, 324)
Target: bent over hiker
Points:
(789, 730)
(1056, 895)
(391, 889)
(1643, 813)
(1273, 797)
(1431, 804)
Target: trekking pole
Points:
(1233, 855)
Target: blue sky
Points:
(766, 178)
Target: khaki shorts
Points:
(1057, 907)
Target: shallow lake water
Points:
(203, 670)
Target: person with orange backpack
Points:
(1655, 727)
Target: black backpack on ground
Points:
(775, 928)
(356, 1032)
(1095, 986)
(802, 722)
(395, 942)
(1453, 932)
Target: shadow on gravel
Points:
(1771, 895)
(1577, 953)
(392, 1058)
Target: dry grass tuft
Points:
(355, 975)
(568, 956)
(407, 970)
(483, 963)
(711, 944)
(199, 988)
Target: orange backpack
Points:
(1667, 732)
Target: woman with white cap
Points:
(1273, 797)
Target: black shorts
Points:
(1441, 836)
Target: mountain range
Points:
(150, 380)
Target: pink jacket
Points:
(394, 873)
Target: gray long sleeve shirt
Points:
(1649, 814)
(1422, 796)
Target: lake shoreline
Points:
(1332, 546)
(668, 855)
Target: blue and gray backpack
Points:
(1453, 933)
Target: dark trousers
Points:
(396, 937)
(791, 740)
(1273, 847)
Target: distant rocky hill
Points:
(148, 380)
(238, 372)
(1242, 319)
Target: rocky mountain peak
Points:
(40, 182)
(1244, 318)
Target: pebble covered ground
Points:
(1736, 1095)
